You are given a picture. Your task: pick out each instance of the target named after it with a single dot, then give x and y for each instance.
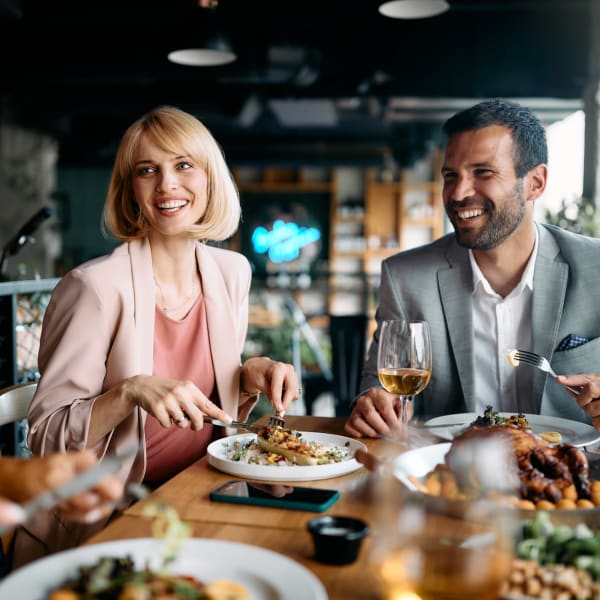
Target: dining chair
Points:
(15, 401)
(348, 350)
(14, 406)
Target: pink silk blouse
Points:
(182, 352)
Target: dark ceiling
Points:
(332, 80)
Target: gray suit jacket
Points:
(434, 283)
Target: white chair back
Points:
(15, 401)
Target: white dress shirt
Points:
(501, 324)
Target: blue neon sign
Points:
(284, 241)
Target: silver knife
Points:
(109, 465)
(235, 425)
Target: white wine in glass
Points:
(404, 359)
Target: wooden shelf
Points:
(380, 252)
(350, 219)
(276, 179)
(355, 254)
(387, 215)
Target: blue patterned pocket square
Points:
(570, 342)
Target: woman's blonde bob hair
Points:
(176, 131)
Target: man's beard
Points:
(500, 224)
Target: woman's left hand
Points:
(276, 380)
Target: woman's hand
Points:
(273, 489)
(172, 401)
(24, 479)
(276, 380)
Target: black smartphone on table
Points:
(277, 495)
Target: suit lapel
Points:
(549, 288)
(455, 285)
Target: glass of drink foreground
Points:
(425, 569)
(404, 360)
(437, 548)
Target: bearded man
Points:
(500, 281)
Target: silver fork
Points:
(276, 421)
(535, 360)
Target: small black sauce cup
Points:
(337, 540)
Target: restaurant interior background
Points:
(329, 116)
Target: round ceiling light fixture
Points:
(413, 9)
(216, 51)
(201, 57)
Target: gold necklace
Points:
(191, 295)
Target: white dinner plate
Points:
(419, 462)
(217, 457)
(266, 575)
(572, 432)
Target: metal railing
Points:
(22, 308)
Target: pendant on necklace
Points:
(166, 310)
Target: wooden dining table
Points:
(281, 530)
(284, 531)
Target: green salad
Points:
(547, 543)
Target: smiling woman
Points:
(170, 316)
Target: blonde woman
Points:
(139, 345)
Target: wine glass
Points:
(404, 360)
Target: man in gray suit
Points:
(500, 281)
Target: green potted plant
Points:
(579, 215)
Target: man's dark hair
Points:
(528, 135)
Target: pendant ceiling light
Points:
(216, 49)
(413, 9)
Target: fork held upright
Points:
(540, 362)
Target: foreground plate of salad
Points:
(264, 574)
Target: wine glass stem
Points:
(406, 405)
